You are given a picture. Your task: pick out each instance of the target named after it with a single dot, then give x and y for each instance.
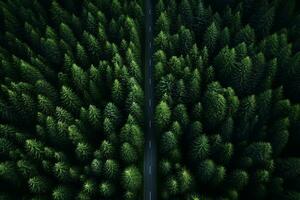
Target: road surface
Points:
(150, 139)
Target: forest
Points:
(226, 80)
(71, 99)
(227, 77)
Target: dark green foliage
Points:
(128, 153)
(210, 37)
(163, 115)
(131, 179)
(200, 149)
(215, 108)
(70, 79)
(206, 171)
(227, 74)
(62, 192)
(227, 83)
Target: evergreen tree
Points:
(210, 37)
(227, 73)
(131, 178)
(186, 13)
(71, 78)
(162, 115)
(226, 83)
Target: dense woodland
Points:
(228, 91)
(227, 87)
(71, 99)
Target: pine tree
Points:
(163, 23)
(210, 37)
(69, 99)
(185, 180)
(168, 142)
(62, 192)
(38, 185)
(185, 40)
(200, 148)
(131, 178)
(186, 13)
(128, 153)
(111, 169)
(172, 186)
(106, 189)
(162, 115)
(51, 50)
(215, 107)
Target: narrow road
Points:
(150, 138)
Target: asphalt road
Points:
(150, 158)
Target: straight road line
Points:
(150, 189)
